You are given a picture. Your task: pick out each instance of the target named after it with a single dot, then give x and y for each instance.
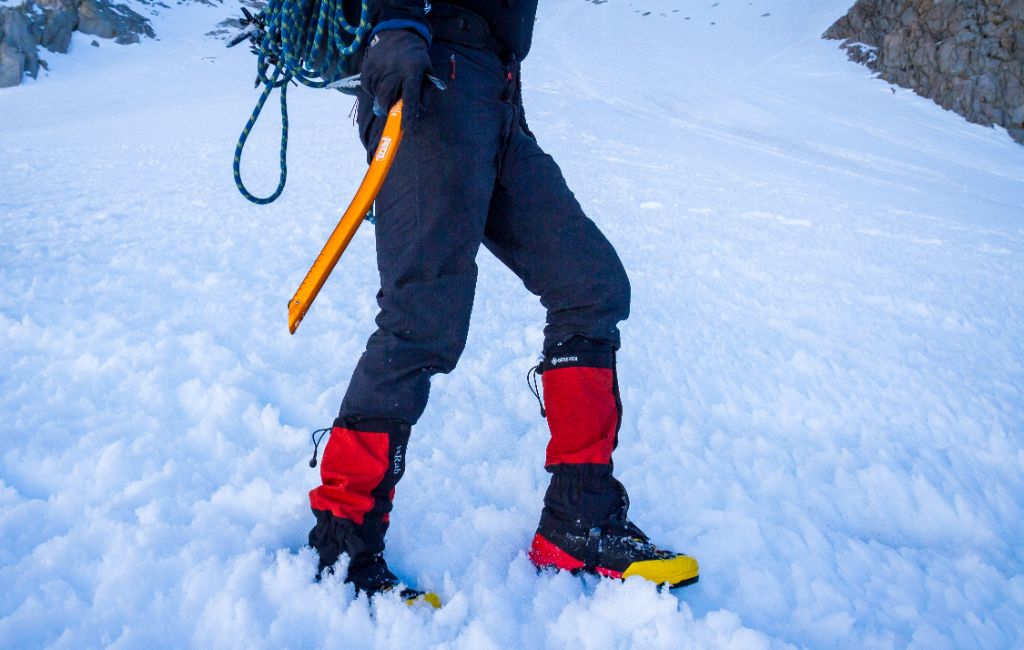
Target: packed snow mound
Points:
(822, 374)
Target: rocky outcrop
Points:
(116, 21)
(50, 23)
(967, 55)
(17, 47)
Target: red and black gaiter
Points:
(584, 413)
(361, 465)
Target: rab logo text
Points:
(397, 461)
(382, 150)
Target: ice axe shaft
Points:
(350, 221)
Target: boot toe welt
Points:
(676, 571)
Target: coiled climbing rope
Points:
(296, 41)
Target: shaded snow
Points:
(822, 375)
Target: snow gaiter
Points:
(582, 406)
(361, 465)
(584, 524)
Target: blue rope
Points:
(300, 41)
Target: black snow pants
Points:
(470, 172)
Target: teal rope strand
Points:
(307, 42)
(236, 167)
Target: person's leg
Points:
(430, 218)
(538, 229)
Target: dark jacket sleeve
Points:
(385, 10)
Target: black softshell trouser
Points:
(470, 173)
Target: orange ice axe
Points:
(350, 221)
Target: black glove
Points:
(395, 66)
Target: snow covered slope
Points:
(823, 374)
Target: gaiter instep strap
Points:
(593, 549)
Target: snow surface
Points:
(823, 374)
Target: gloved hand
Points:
(395, 66)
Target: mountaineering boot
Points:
(371, 576)
(362, 463)
(584, 524)
(611, 546)
(616, 550)
(367, 572)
